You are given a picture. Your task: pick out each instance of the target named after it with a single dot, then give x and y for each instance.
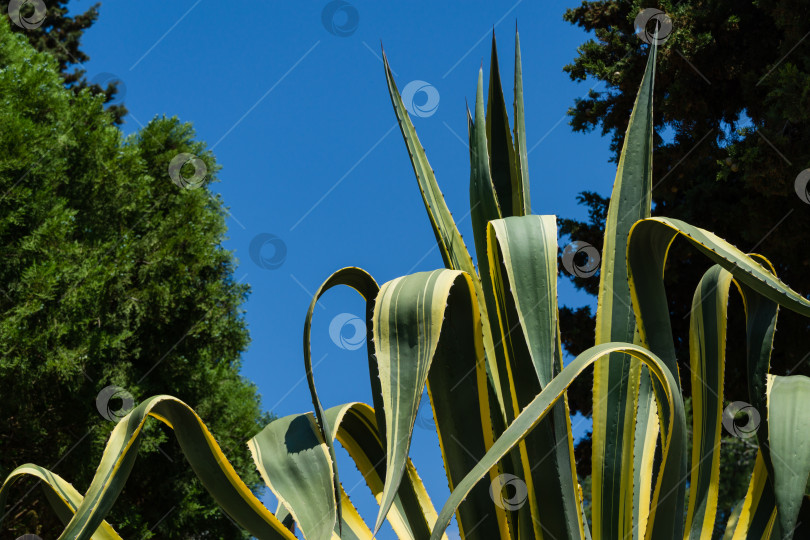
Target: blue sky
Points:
(300, 119)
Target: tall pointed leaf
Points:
(499, 142)
(522, 254)
(451, 245)
(521, 153)
(617, 378)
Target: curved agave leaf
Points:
(451, 245)
(756, 517)
(294, 461)
(412, 514)
(62, 496)
(707, 347)
(789, 445)
(356, 528)
(617, 380)
(522, 255)
(362, 282)
(707, 337)
(663, 515)
(201, 451)
(731, 524)
(647, 250)
(297, 470)
(428, 323)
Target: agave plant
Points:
(485, 342)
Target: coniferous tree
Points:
(111, 275)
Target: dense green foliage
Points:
(737, 103)
(60, 35)
(111, 274)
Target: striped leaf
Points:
(499, 142)
(522, 254)
(451, 245)
(617, 378)
(61, 495)
(674, 440)
(201, 451)
(363, 283)
(521, 153)
(789, 446)
(756, 518)
(425, 319)
(707, 348)
(294, 462)
(354, 425)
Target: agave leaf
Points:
(203, 454)
(61, 495)
(412, 514)
(484, 207)
(521, 153)
(707, 348)
(356, 528)
(431, 318)
(617, 378)
(756, 517)
(663, 514)
(294, 462)
(522, 255)
(647, 250)
(648, 245)
(789, 445)
(451, 245)
(499, 141)
(362, 282)
(284, 516)
(731, 523)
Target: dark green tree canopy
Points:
(60, 35)
(111, 275)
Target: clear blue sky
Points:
(301, 121)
